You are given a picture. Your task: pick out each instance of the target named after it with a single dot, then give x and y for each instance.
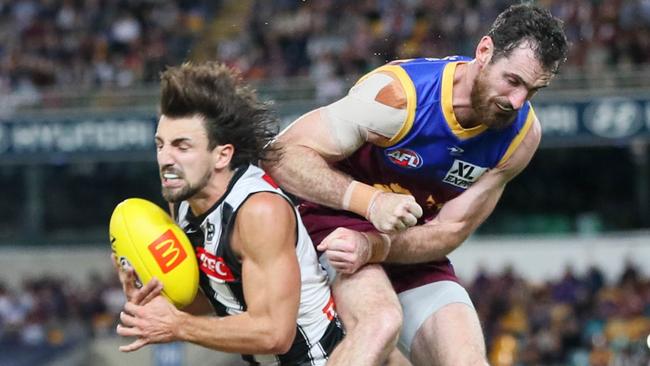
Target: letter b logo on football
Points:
(167, 251)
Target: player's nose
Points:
(164, 156)
(517, 98)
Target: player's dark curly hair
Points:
(527, 23)
(232, 112)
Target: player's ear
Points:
(484, 50)
(223, 155)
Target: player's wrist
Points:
(359, 198)
(379, 246)
(179, 330)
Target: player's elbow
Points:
(461, 233)
(283, 343)
(454, 234)
(277, 341)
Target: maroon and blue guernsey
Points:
(432, 158)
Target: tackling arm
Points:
(308, 148)
(459, 217)
(374, 111)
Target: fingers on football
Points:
(149, 291)
(128, 278)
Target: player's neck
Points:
(464, 77)
(201, 202)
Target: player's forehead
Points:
(191, 128)
(523, 63)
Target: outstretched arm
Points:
(374, 111)
(265, 239)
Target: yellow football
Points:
(144, 237)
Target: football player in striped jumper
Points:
(258, 266)
(403, 169)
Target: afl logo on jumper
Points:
(462, 174)
(406, 158)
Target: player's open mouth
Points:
(171, 180)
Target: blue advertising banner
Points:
(99, 138)
(578, 122)
(613, 119)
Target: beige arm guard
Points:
(352, 117)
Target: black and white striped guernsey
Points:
(318, 329)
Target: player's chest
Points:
(448, 162)
(213, 249)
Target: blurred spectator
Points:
(306, 38)
(574, 321)
(118, 43)
(95, 43)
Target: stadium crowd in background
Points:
(575, 320)
(311, 37)
(97, 43)
(45, 43)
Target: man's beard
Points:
(484, 106)
(187, 191)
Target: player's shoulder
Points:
(427, 61)
(396, 79)
(264, 207)
(264, 224)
